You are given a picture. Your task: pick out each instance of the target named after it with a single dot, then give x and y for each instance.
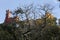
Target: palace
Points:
(9, 19)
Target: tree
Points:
(46, 8)
(50, 33)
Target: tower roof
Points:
(8, 11)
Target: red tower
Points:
(9, 19)
(8, 14)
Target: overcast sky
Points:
(13, 4)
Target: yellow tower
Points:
(49, 15)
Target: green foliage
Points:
(51, 33)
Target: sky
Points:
(13, 4)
